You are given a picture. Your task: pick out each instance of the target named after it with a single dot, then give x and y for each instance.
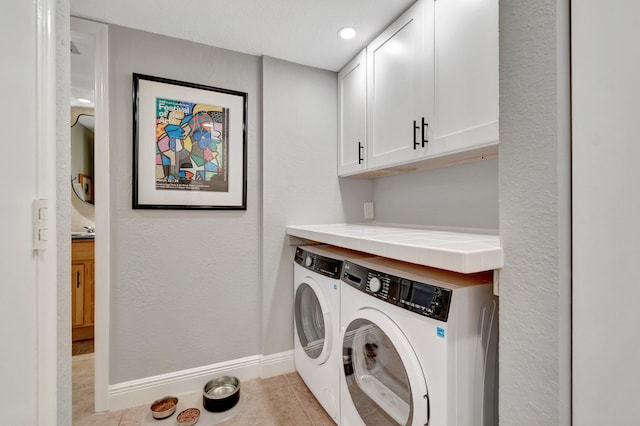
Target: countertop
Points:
(82, 236)
(464, 252)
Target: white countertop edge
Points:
(458, 260)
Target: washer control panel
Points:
(422, 298)
(317, 263)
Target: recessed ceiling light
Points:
(347, 33)
(84, 101)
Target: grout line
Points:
(304, 409)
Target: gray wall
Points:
(184, 289)
(300, 183)
(534, 163)
(461, 196)
(160, 281)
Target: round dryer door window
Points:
(383, 375)
(313, 321)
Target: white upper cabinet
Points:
(400, 88)
(431, 91)
(352, 116)
(466, 75)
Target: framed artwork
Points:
(189, 146)
(86, 184)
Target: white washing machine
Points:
(317, 347)
(419, 345)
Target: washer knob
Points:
(308, 261)
(375, 284)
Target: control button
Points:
(308, 261)
(375, 284)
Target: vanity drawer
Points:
(82, 250)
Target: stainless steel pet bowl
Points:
(221, 393)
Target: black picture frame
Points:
(189, 146)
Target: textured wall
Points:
(534, 213)
(185, 284)
(606, 208)
(63, 205)
(460, 196)
(300, 183)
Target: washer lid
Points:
(382, 372)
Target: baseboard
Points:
(277, 364)
(144, 391)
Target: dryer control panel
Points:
(317, 263)
(422, 298)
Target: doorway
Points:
(97, 34)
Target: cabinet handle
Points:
(424, 132)
(415, 139)
(360, 148)
(78, 279)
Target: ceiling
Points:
(301, 31)
(82, 69)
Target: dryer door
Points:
(313, 321)
(383, 374)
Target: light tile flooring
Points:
(278, 401)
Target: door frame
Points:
(46, 258)
(100, 33)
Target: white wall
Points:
(185, 284)
(17, 262)
(606, 208)
(35, 373)
(534, 164)
(463, 196)
(300, 183)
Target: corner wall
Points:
(534, 164)
(63, 205)
(300, 183)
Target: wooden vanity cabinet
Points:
(82, 289)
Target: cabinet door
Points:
(77, 294)
(89, 293)
(400, 88)
(466, 75)
(352, 119)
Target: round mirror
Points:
(82, 129)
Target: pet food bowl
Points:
(221, 393)
(163, 408)
(188, 417)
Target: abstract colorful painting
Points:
(191, 149)
(189, 145)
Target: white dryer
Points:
(419, 344)
(317, 348)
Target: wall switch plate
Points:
(368, 210)
(40, 224)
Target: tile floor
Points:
(278, 401)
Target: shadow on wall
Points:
(354, 193)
